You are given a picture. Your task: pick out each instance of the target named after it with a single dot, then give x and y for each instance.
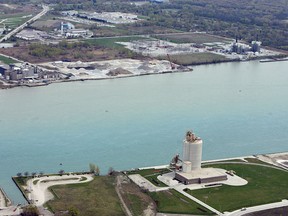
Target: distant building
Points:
(31, 34)
(157, 1)
(66, 26)
(2, 29)
(256, 46)
(3, 69)
(110, 17)
(69, 13)
(77, 33)
(239, 48)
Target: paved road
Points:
(245, 211)
(19, 28)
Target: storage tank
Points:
(192, 150)
(186, 151)
(186, 167)
(195, 154)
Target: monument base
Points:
(199, 176)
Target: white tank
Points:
(192, 150)
(195, 154)
(186, 150)
(186, 167)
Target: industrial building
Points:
(31, 34)
(256, 46)
(2, 29)
(110, 17)
(68, 30)
(191, 172)
(241, 48)
(25, 72)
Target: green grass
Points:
(35, 181)
(7, 60)
(136, 206)
(196, 58)
(265, 185)
(147, 172)
(197, 38)
(224, 161)
(97, 197)
(173, 202)
(255, 160)
(111, 42)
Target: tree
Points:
(97, 171)
(19, 174)
(30, 210)
(33, 174)
(94, 169)
(26, 174)
(61, 172)
(111, 171)
(73, 211)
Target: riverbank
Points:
(101, 70)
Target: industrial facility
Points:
(191, 172)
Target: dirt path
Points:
(118, 188)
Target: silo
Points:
(186, 150)
(192, 150)
(195, 153)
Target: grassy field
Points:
(93, 198)
(14, 20)
(173, 202)
(6, 60)
(111, 42)
(198, 38)
(265, 185)
(196, 58)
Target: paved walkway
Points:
(38, 187)
(245, 211)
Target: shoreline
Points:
(187, 68)
(31, 85)
(70, 175)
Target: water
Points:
(237, 108)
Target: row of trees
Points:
(93, 168)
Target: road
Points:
(19, 28)
(245, 211)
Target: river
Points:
(237, 108)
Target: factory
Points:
(191, 172)
(68, 30)
(241, 48)
(110, 17)
(25, 72)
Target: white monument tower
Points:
(192, 152)
(191, 172)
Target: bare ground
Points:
(138, 202)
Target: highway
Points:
(19, 28)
